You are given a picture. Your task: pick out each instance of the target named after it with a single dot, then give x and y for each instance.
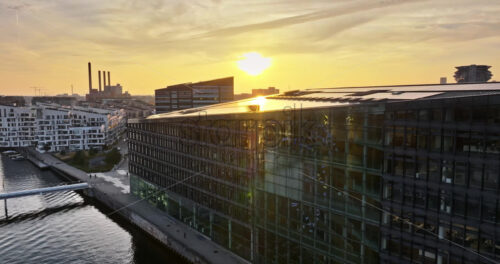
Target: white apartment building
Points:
(51, 127)
(17, 126)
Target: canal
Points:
(66, 227)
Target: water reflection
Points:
(64, 227)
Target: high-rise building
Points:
(472, 74)
(394, 174)
(188, 95)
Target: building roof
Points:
(228, 81)
(333, 97)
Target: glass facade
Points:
(441, 174)
(378, 182)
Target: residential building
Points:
(393, 174)
(17, 126)
(51, 127)
(188, 95)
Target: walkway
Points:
(115, 184)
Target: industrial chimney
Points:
(99, 81)
(104, 77)
(90, 78)
(109, 79)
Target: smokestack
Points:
(90, 78)
(104, 76)
(109, 79)
(99, 81)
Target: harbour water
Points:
(66, 227)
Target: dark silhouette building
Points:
(242, 96)
(12, 100)
(263, 92)
(61, 100)
(188, 95)
(394, 174)
(472, 74)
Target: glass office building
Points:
(400, 174)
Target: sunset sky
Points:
(151, 44)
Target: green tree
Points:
(46, 146)
(79, 158)
(92, 151)
(113, 156)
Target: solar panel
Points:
(332, 97)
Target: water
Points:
(66, 227)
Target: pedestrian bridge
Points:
(61, 188)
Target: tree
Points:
(47, 146)
(92, 151)
(79, 158)
(113, 156)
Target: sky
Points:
(148, 45)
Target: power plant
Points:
(105, 90)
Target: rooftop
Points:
(227, 81)
(332, 97)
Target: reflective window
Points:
(460, 173)
(476, 175)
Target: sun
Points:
(253, 63)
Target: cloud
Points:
(355, 7)
(184, 36)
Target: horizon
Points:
(147, 46)
(304, 88)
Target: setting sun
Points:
(253, 63)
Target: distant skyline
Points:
(151, 44)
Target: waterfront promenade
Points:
(112, 188)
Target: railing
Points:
(61, 188)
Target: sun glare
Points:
(253, 63)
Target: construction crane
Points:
(37, 88)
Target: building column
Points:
(180, 210)
(229, 232)
(251, 245)
(5, 207)
(194, 217)
(211, 216)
